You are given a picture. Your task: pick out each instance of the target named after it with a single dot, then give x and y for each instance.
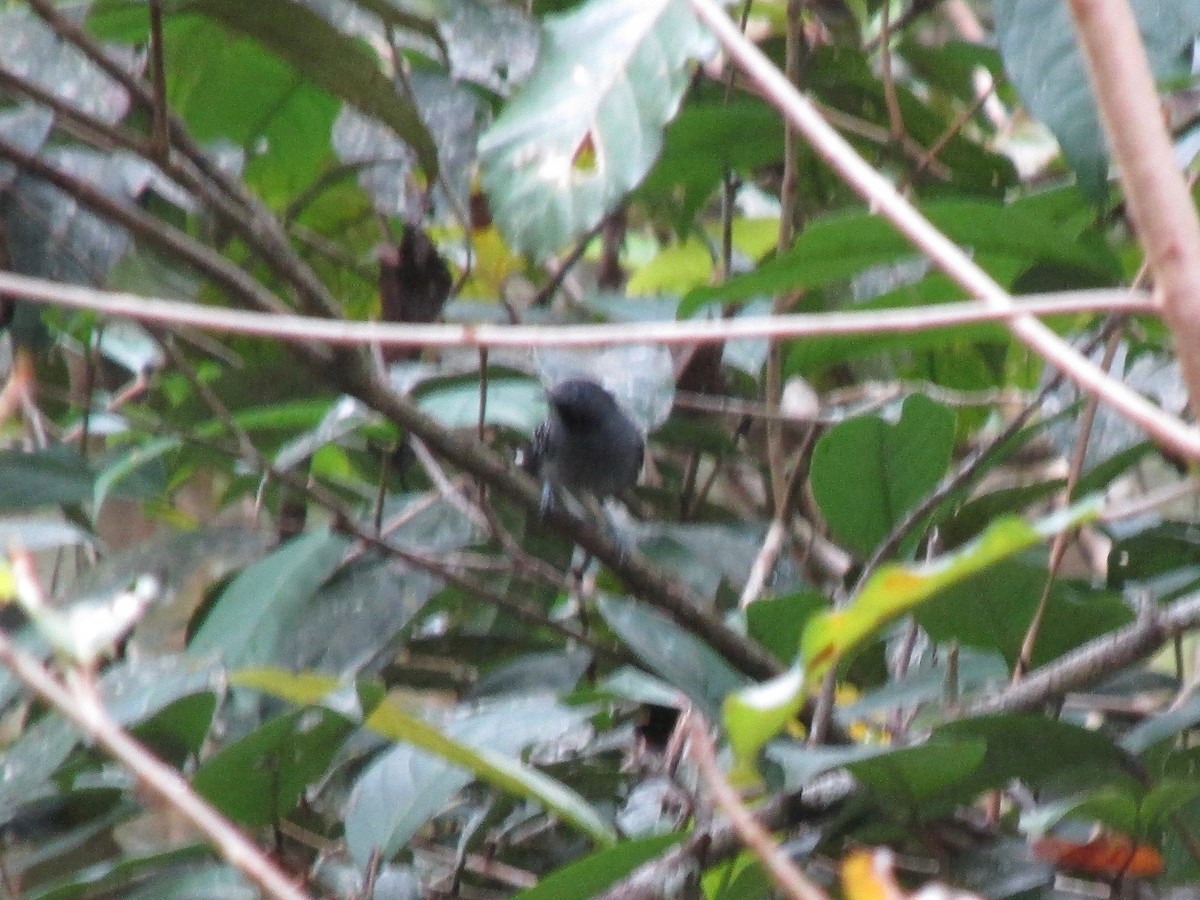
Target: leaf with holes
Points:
(588, 125)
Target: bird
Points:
(588, 445)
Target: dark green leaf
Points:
(259, 779)
(1037, 41)
(246, 625)
(992, 610)
(867, 473)
(672, 653)
(592, 874)
(337, 63)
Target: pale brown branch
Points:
(77, 701)
(290, 327)
(789, 879)
(1159, 201)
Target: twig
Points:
(1163, 427)
(286, 326)
(895, 119)
(161, 128)
(962, 475)
(790, 880)
(1058, 546)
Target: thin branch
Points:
(962, 475)
(891, 101)
(225, 195)
(1095, 660)
(721, 841)
(142, 225)
(161, 127)
(789, 879)
(1163, 427)
(286, 326)
(86, 127)
(77, 701)
(1157, 195)
(1058, 546)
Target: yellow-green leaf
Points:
(896, 589)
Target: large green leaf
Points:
(249, 620)
(840, 245)
(318, 51)
(259, 779)
(993, 610)
(587, 125)
(592, 874)
(672, 653)
(867, 473)
(1037, 42)
(701, 145)
(409, 784)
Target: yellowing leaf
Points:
(896, 589)
(758, 713)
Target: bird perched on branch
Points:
(586, 446)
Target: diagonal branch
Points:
(1164, 428)
(1158, 197)
(77, 701)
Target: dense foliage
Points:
(899, 578)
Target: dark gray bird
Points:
(587, 445)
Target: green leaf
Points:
(587, 125)
(259, 779)
(516, 403)
(704, 142)
(1165, 798)
(1037, 42)
(1039, 751)
(1162, 726)
(1114, 805)
(379, 818)
(1164, 555)
(250, 618)
(339, 64)
(866, 473)
(232, 88)
(897, 589)
(910, 776)
(993, 608)
(503, 772)
(116, 875)
(672, 653)
(58, 476)
(777, 622)
(838, 246)
(591, 875)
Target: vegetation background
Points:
(896, 601)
